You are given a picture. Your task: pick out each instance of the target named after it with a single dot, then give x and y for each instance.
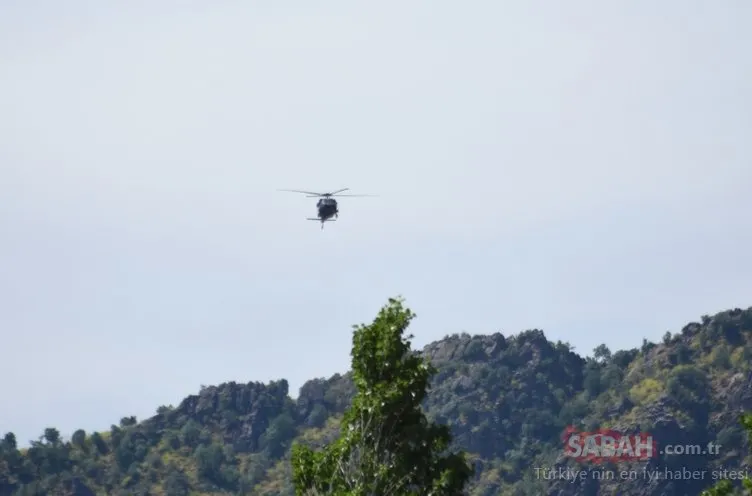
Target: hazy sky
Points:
(581, 167)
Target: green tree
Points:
(176, 483)
(275, 439)
(726, 487)
(386, 446)
(721, 357)
(79, 438)
(9, 442)
(190, 433)
(99, 443)
(601, 353)
(51, 436)
(318, 416)
(209, 460)
(128, 421)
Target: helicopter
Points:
(327, 205)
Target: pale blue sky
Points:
(581, 167)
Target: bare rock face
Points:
(243, 410)
(506, 399)
(330, 396)
(661, 474)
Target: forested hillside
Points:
(507, 399)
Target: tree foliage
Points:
(726, 487)
(387, 446)
(506, 399)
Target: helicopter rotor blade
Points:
(360, 196)
(311, 194)
(303, 192)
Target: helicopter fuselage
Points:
(327, 208)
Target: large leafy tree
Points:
(386, 446)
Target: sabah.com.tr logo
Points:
(606, 445)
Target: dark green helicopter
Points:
(327, 205)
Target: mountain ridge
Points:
(506, 398)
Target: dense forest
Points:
(507, 400)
